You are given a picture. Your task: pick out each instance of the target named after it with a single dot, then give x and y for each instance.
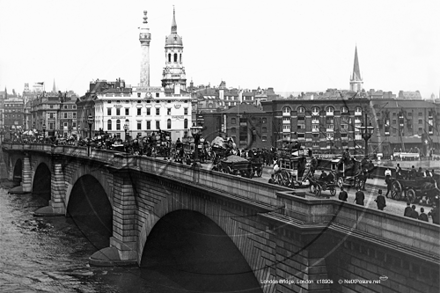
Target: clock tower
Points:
(145, 38)
(174, 77)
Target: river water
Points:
(51, 255)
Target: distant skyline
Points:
(292, 46)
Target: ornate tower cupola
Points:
(356, 80)
(173, 77)
(145, 38)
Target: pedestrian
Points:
(380, 200)
(359, 199)
(423, 216)
(408, 210)
(398, 172)
(435, 215)
(414, 213)
(389, 183)
(343, 194)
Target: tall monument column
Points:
(145, 38)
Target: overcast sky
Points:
(289, 45)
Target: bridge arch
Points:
(41, 185)
(17, 172)
(197, 254)
(90, 209)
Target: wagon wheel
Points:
(396, 191)
(340, 182)
(318, 190)
(411, 195)
(277, 179)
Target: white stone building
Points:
(146, 109)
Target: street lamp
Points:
(196, 132)
(125, 130)
(44, 133)
(366, 132)
(90, 122)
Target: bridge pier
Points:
(58, 188)
(11, 170)
(123, 243)
(27, 174)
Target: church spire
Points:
(173, 24)
(356, 80)
(54, 88)
(356, 70)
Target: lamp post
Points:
(90, 122)
(125, 130)
(44, 133)
(196, 132)
(366, 132)
(2, 131)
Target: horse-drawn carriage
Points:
(351, 172)
(419, 190)
(292, 169)
(225, 159)
(236, 165)
(323, 183)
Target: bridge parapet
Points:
(414, 236)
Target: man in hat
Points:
(359, 199)
(380, 200)
(408, 210)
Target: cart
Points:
(421, 190)
(319, 185)
(237, 166)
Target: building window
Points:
(344, 109)
(139, 111)
(139, 125)
(233, 130)
(109, 124)
(185, 111)
(157, 111)
(157, 125)
(127, 111)
(264, 129)
(118, 112)
(148, 124)
(157, 95)
(74, 115)
(118, 124)
(185, 123)
(169, 57)
(420, 121)
(315, 111)
(175, 57)
(264, 120)
(168, 111)
(264, 138)
(65, 115)
(148, 111)
(330, 111)
(286, 111)
(420, 114)
(168, 123)
(233, 121)
(301, 110)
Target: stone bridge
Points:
(290, 243)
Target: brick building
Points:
(247, 125)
